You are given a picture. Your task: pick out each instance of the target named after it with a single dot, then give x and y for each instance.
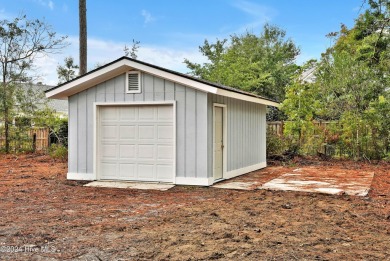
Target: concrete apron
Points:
(301, 180)
(130, 185)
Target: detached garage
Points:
(134, 121)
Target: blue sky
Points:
(172, 30)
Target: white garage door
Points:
(136, 143)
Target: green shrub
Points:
(58, 152)
(276, 145)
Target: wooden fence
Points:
(277, 127)
(361, 144)
(33, 139)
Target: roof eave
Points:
(85, 82)
(123, 65)
(237, 95)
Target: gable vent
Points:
(133, 82)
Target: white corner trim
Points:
(194, 181)
(80, 176)
(238, 172)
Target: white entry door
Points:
(136, 143)
(218, 142)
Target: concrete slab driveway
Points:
(318, 179)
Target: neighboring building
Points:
(60, 106)
(130, 120)
(308, 75)
(39, 99)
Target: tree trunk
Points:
(6, 109)
(83, 36)
(6, 130)
(6, 120)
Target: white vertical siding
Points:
(91, 97)
(82, 132)
(180, 95)
(190, 132)
(72, 134)
(201, 135)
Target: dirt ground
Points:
(45, 217)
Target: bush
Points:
(276, 145)
(58, 152)
(59, 132)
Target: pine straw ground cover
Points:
(45, 217)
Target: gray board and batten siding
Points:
(246, 137)
(191, 121)
(194, 126)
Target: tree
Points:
(302, 106)
(67, 72)
(354, 72)
(262, 64)
(83, 36)
(22, 41)
(352, 87)
(132, 53)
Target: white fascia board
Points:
(88, 81)
(172, 77)
(244, 97)
(116, 69)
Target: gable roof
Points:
(125, 64)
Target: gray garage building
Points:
(130, 120)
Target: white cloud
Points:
(102, 51)
(259, 14)
(49, 4)
(148, 18)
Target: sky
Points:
(170, 31)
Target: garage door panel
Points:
(146, 132)
(128, 132)
(146, 172)
(127, 151)
(164, 114)
(136, 143)
(146, 152)
(109, 170)
(109, 132)
(164, 152)
(164, 172)
(109, 151)
(165, 133)
(127, 171)
(147, 113)
(128, 113)
(109, 114)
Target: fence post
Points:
(34, 145)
